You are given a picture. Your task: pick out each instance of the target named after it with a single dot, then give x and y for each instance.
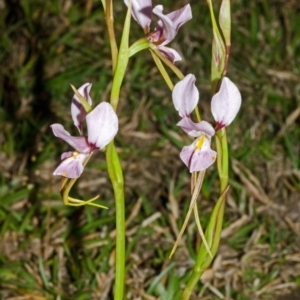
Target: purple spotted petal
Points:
(226, 103)
(77, 111)
(185, 95)
(71, 167)
(142, 12)
(169, 53)
(196, 129)
(77, 142)
(102, 125)
(198, 159)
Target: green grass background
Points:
(49, 251)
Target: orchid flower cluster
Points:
(101, 122)
(225, 105)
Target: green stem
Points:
(222, 150)
(138, 46)
(162, 70)
(122, 62)
(116, 176)
(113, 163)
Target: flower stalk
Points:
(116, 176)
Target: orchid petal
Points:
(198, 159)
(170, 23)
(165, 25)
(66, 155)
(169, 53)
(77, 110)
(102, 125)
(185, 95)
(180, 16)
(71, 167)
(226, 103)
(77, 142)
(196, 129)
(141, 12)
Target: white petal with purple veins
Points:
(185, 95)
(180, 16)
(196, 129)
(102, 125)
(141, 12)
(77, 142)
(169, 30)
(71, 167)
(226, 103)
(198, 159)
(169, 53)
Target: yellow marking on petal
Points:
(200, 142)
(213, 157)
(75, 154)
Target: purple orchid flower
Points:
(198, 156)
(226, 103)
(167, 26)
(102, 126)
(225, 106)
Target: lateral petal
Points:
(172, 22)
(180, 16)
(185, 95)
(141, 12)
(226, 103)
(165, 24)
(77, 142)
(102, 125)
(196, 129)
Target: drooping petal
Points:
(141, 12)
(185, 95)
(226, 103)
(196, 129)
(198, 158)
(71, 167)
(77, 142)
(77, 111)
(170, 53)
(102, 125)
